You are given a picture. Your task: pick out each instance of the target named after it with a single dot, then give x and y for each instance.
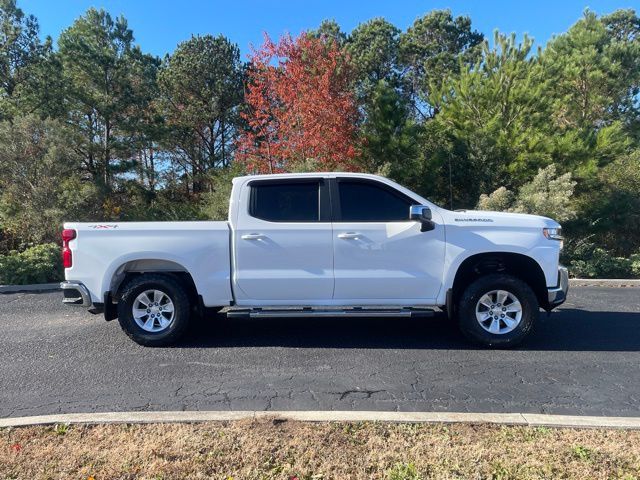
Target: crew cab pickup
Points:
(320, 244)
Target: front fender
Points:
(465, 242)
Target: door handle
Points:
(252, 236)
(349, 235)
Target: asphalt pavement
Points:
(582, 360)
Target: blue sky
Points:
(159, 25)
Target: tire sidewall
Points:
(467, 310)
(180, 302)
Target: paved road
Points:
(585, 359)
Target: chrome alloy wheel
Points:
(498, 312)
(153, 311)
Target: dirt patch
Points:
(267, 449)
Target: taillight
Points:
(68, 234)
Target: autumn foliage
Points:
(301, 108)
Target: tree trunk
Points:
(107, 154)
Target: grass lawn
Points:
(265, 449)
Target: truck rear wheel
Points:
(497, 310)
(153, 310)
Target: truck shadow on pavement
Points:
(567, 329)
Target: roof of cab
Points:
(310, 174)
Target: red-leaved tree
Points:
(300, 107)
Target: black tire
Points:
(181, 316)
(471, 327)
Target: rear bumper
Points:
(558, 294)
(75, 293)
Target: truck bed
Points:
(103, 251)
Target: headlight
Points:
(553, 233)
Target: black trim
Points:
(96, 308)
(204, 311)
(324, 200)
(335, 200)
(449, 305)
(200, 306)
(560, 291)
(559, 300)
(110, 308)
(335, 197)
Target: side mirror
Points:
(422, 214)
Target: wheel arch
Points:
(519, 265)
(139, 266)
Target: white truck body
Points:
(254, 262)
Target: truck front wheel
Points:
(497, 310)
(153, 310)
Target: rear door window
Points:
(285, 201)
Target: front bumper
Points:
(75, 293)
(558, 294)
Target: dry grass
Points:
(283, 450)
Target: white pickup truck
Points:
(320, 244)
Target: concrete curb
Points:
(521, 419)
(37, 287)
(604, 282)
(573, 282)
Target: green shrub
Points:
(215, 204)
(635, 264)
(586, 260)
(39, 264)
(601, 264)
(40, 186)
(547, 194)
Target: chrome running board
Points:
(303, 312)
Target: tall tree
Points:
(593, 73)
(20, 50)
(433, 48)
(43, 92)
(495, 113)
(39, 186)
(373, 51)
(101, 69)
(596, 71)
(202, 90)
(390, 135)
(624, 28)
(329, 30)
(145, 123)
(301, 107)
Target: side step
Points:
(301, 312)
